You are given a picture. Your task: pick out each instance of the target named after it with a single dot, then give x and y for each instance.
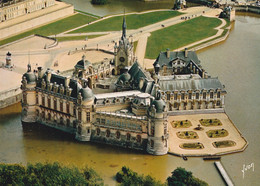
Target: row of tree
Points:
(47, 174)
(179, 177)
(55, 174)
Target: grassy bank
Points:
(53, 28)
(180, 35)
(134, 21)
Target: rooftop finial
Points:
(124, 27)
(29, 64)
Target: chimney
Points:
(203, 73)
(168, 53)
(40, 72)
(48, 76)
(67, 81)
(186, 52)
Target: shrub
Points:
(128, 177)
(99, 2)
(47, 174)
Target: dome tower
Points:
(85, 109)
(29, 96)
(157, 127)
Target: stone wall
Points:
(35, 22)
(10, 97)
(247, 8)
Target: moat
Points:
(39, 145)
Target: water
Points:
(235, 62)
(118, 6)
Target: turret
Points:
(8, 60)
(29, 96)
(84, 115)
(157, 127)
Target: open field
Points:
(134, 21)
(54, 28)
(182, 34)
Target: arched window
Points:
(138, 138)
(37, 113)
(108, 133)
(152, 144)
(68, 122)
(61, 121)
(98, 131)
(43, 115)
(49, 116)
(117, 134)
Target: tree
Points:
(181, 177)
(47, 174)
(127, 177)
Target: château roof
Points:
(60, 80)
(162, 59)
(191, 84)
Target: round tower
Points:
(8, 60)
(29, 96)
(157, 127)
(85, 113)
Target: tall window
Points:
(190, 94)
(175, 96)
(61, 106)
(168, 96)
(79, 115)
(24, 99)
(152, 144)
(197, 95)
(68, 108)
(107, 133)
(43, 101)
(49, 102)
(88, 117)
(98, 131)
(218, 95)
(128, 136)
(204, 95)
(55, 104)
(182, 95)
(138, 138)
(152, 131)
(211, 94)
(117, 134)
(37, 100)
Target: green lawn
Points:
(54, 28)
(180, 35)
(133, 21)
(78, 37)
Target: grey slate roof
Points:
(83, 64)
(163, 60)
(190, 84)
(137, 73)
(74, 85)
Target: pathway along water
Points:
(235, 62)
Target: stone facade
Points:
(124, 56)
(15, 8)
(93, 72)
(135, 112)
